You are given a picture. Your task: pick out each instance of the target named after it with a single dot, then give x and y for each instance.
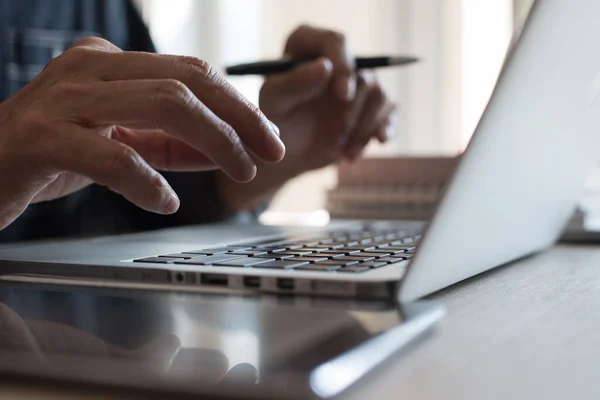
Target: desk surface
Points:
(528, 330)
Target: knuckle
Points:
(255, 118)
(377, 93)
(73, 59)
(302, 28)
(201, 68)
(172, 89)
(229, 134)
(123, 159)
(158, 182)
(336, 38)
(172, 95)
(299, 31)
(232, 146)
(92, 41)
(76, 55)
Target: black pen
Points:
(284, 65)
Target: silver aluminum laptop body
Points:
(512, 194)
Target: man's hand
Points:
(325, 109)
(98, 114)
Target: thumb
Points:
(281, 93)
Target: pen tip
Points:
(404, 60)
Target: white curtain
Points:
(461, 43)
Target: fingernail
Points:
(172, 204)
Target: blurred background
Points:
(462, 44)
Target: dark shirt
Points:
(32, 33)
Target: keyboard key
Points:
(277, 256)
(157, 260)
(269, 243)
(401, 248)
(285, 264)
(250, 253)
(210, 260)
(391, 260)
(331, 255)
(355, 257)
(346, 251)
(218, 250)
(315, 249)
(387, 250)
(403, 256)
(354, 269)
(318, 267)
(245, 262)
(275, 249)
(177, 255)
(339, 263)
(368, 254)
(310, 259)
(363, 247)
(296, 252)
(374, 264)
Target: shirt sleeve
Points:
(138, 35)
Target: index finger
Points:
(308, 41)
(256, 132)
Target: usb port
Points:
(252, 282)
(214, 279)
(285, 283)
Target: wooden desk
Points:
(530, 330)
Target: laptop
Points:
(511, 195)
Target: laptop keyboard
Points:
(332, 252)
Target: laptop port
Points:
(179, 277)
(252, 282)
(285, 283)
(214, 279)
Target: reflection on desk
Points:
(171, 340)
